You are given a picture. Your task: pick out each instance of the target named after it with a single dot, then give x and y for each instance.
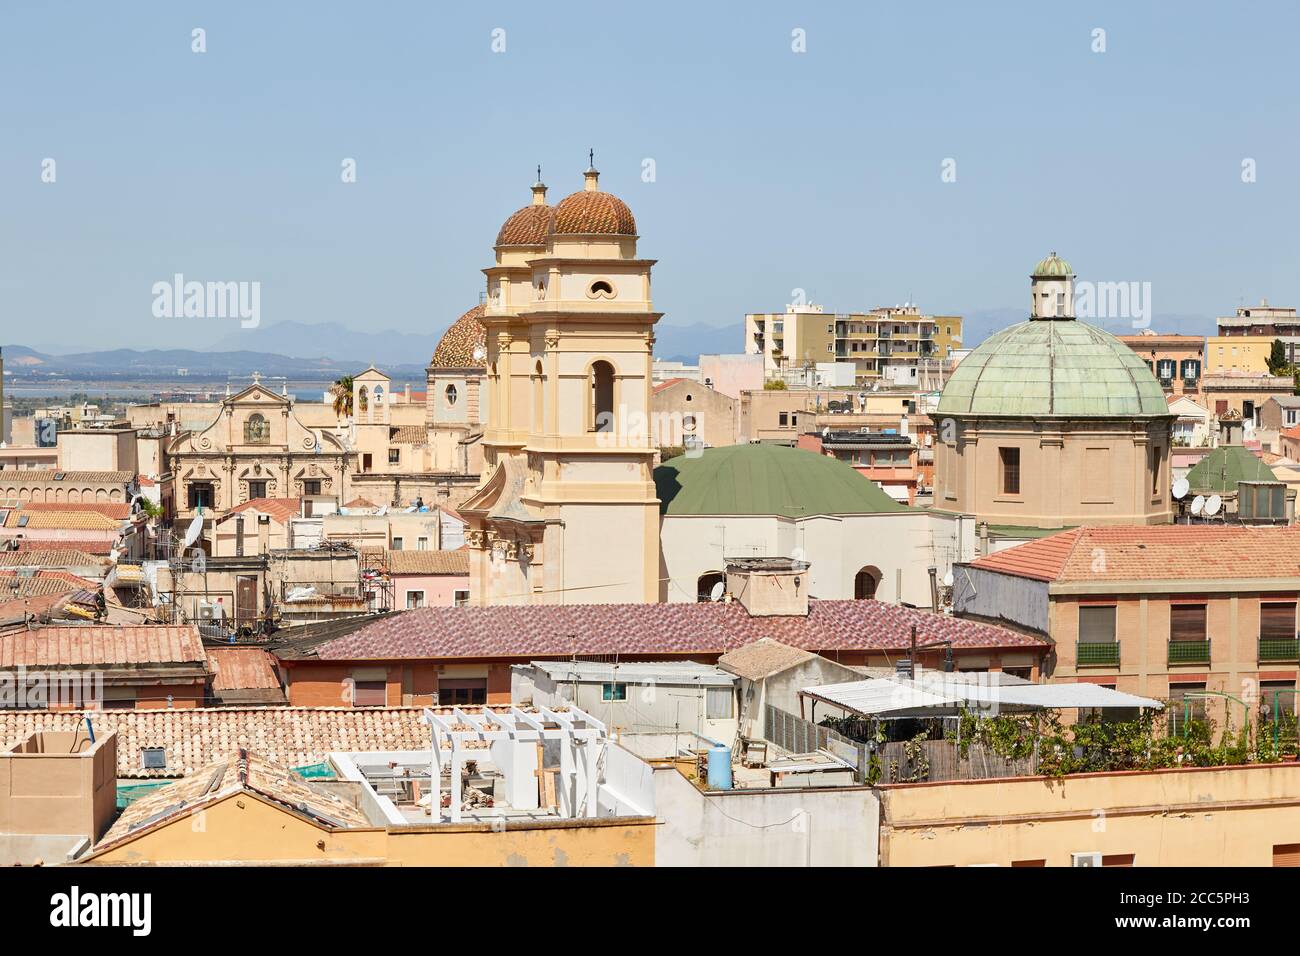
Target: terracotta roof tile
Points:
(241, 771)
(1154, 552)
(49, 557)
(279, 509)
(72, 478)
(456, 347)
(528, 632)
(118, 511)
(93, 546)
(195, 737)
(428, 562)
(592, 212)
(762, 658)
(71, 520)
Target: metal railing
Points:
(1278, 649)
(1189, 652)
(1097, 653)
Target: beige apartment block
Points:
(885, 345)
(1201, 615)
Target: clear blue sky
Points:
(775, 170)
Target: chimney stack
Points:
(769, 587)
(263, 534)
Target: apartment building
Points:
(1177, 361)
(897, 346)
(1262, 321)
(1201, 615)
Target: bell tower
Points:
(566, 512)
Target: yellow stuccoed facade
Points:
(1162, 818)
(246, 829)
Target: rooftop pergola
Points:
(511, 737)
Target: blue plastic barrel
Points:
(719, 767)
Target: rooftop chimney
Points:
(263, 534)
(769, 587)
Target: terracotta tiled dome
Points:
(593, 212)
(456, 349)
(527, 227)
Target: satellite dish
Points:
(717, 592)
(1213, 505)
(1198, 504)
(1180, 489)
(948, 579)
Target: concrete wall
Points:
(244, 828)
(57, 784)
(1230, 816)
(782, 827)
(648, 707)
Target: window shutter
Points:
(1286, 854)
(1187, 622)
(1277, 621)
(1096, 625)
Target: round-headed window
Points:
(452, 394)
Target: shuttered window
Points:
(1286, 854)
(1009, 460)
(370, 693)
(1097, 625)
(1117, 859)
(1277, 621)
(1187, 622)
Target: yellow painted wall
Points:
(243, 828)
(1244, 353)
(1221, 816)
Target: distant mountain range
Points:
(325, 351)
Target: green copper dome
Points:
(766, 480)
(1060, 369)
(1053, 267)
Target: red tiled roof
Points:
(102, 644)
(90, 546)
(1041, 560)
(429, 562)
(280, 509)
(1154, 552)
(662, 385)
(119, 511)
(195, 737)
(1292, 432)
(242, 668)
(629, 629)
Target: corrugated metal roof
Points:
(944, 694)
(664, 672)
(102, 644)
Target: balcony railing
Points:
(1278, 649)
(1189, 652)
(1097, 653)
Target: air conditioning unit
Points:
(210, 612)
(1085, 859)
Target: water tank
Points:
(719, 767)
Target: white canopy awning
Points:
(940, 695)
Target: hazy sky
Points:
(774, 170)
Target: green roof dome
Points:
(1221, 469)
(766, 480)
(1062, 369)
(1053, 267)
